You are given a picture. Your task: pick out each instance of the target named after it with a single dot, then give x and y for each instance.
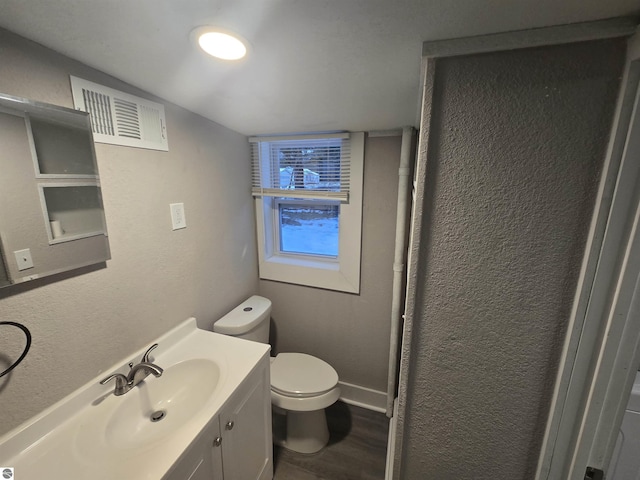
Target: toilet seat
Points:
(299, 375)
(305, 404)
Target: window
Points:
(308, 191)
(308, 227)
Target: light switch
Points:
(23, 259)
(178, 219)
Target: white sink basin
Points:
(158, 407)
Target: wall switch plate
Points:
(23, 259)
(178, 219)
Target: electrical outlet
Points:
(23, 259)
(178, 219)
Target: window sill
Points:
(304, 262)
(327, 275)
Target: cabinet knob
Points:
(217, 441)
(229, 425)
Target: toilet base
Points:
(306, 432)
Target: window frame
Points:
(341, 273)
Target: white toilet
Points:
(301, 385)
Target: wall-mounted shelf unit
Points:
(50, 196)
(64, 162)
(73, 210)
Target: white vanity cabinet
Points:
(236, 444)
(245, 425)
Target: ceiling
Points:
(314, 65)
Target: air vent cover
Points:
(119, 118)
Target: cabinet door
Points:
(247, 451)
(202, 460)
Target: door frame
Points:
(431, 51)
(599, 357)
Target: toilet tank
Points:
(249, 320)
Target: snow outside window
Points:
(308, 227)
(308, 193)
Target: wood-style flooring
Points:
(357, 449)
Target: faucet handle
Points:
(145, 357)
(122, 383)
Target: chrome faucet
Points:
(140, 371)
(137, 374)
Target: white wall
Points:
(83, 324)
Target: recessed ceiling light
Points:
(220, 43)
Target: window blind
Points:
(301, 166)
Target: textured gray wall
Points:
(517, 144)
(351, 332)
(82, 325)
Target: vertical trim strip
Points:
(420, 177)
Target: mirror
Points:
(51, 213)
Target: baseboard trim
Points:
(363, 397)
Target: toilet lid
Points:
(299, 374)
